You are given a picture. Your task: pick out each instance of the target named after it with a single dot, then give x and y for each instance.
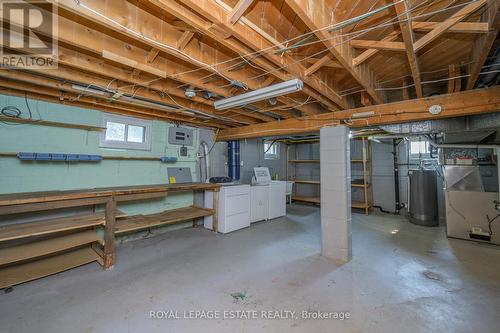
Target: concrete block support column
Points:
(335, 164)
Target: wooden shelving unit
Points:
(33, 250)
(12, 275)
(298, 160)
(142, 222)
(48, 247)
(365, 182)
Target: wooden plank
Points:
(317, 65)
(30, 229)
(51, 124)
(184, 39)
(315, 200)
(447, 24)
(483, 45)
(215, 13)
(316, 15)
(309, 182)
(141, 222)
(49, 205)
(371, 52)
(404, 18)
(17, 274)
(45, 247)
(109, 233)
(460, 27)
(102, 193)
(132, 63)
(465, 103)
(304, 161)
(239, 10)
(378, 45)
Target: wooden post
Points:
(109, 233)
(215, 219)
(197, 202)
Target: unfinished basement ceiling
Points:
(349, 53)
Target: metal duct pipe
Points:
(206, 160)
(457, 145)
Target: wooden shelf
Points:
(304, 161)
(311, 182)
(24, 230)
(360, 161)
(360, 205)
(315, 200)
(42, 248)
(360, 185)
(13, 275)
(140, 222)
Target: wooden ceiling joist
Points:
(442, 27)
(239, 10)
(202, 25)
(483, 44)
(464, 103)
(216, 14)
(404, 18)
(378, 45)
(315, 15)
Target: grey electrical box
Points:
(180, 136)
(183, 151)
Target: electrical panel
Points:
(180, 136)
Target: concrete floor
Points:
(403, 278)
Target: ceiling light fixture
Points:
(274, 90)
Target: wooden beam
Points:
(239, 10)
(483, 44)
(451, 83)
(365, 99)
(461, 27)
(460, 104)
(405, 90)
(371, 52)
(132, 63)
(217, 14)
(378, 45)
(317, 65)
(447, 24)
(331, 63)
(184, 40)
(153, 53)
(316, 15)
(404, 17)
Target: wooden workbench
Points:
(109, 196)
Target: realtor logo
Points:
(28, 34)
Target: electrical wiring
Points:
(141, 36)
(261, 52)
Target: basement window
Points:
(271, 150)
(125, 132)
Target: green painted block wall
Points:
(17, 176)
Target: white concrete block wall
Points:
(335, 194)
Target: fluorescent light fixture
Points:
(275, 90)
